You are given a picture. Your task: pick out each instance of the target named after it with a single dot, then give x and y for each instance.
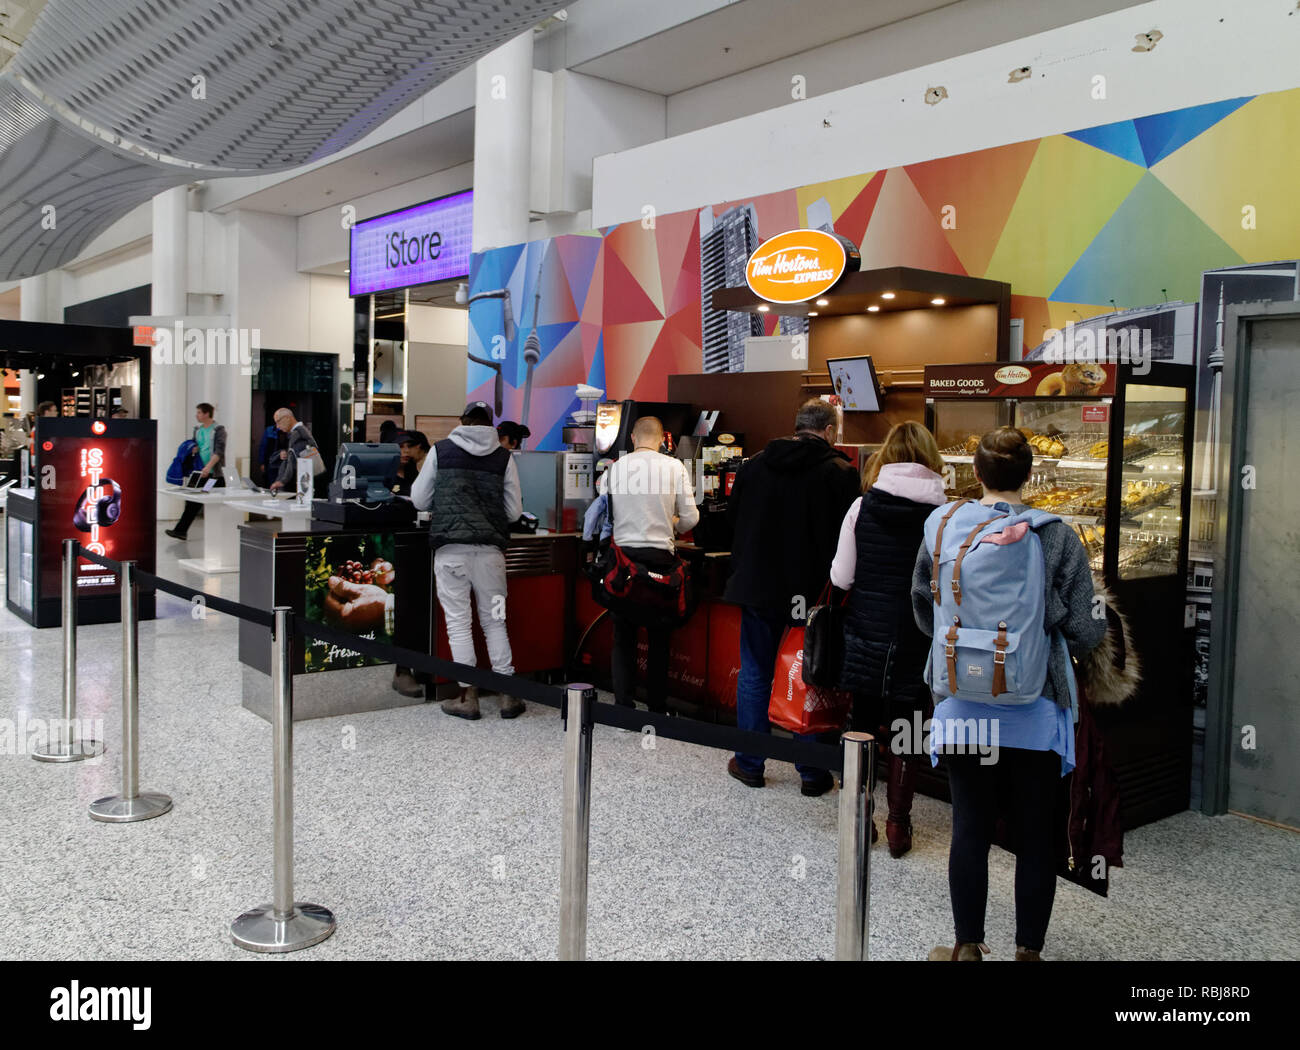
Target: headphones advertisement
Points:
(95, 484)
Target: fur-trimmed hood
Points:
(1110, 673)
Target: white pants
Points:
(458, 569)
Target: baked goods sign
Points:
(1028, 379)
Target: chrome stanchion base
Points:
(119, 810)
(74, 752)
(260, 931)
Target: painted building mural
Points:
(1112, 218)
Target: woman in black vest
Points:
(884, 653)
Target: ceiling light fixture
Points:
(764, 308)
(938, 301)
(873, 309)
(812, 313)
(823, 302)
(886, 295)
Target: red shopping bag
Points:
(798, 707)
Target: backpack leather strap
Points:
(950, 652)
(1000, 660)
(938, 546)
(961, 554)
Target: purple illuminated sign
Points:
(423, 243)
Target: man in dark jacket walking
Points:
(786, 507)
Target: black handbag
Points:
(823, 643)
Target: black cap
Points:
(477, 413)
(414, 437)
(514, 431)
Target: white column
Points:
(503, 112)
(39, 297)
(169, 401)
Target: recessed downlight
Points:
(764, 308)
(812, 313)
(823, 302)
(938, 301)
(873, 309)
(886, 295)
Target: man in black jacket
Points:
(786, 507)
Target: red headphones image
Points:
(103, 511)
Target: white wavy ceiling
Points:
(98, 114)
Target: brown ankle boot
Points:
(966, 952)
(1027, 955)
(898, 794)
(463, 706)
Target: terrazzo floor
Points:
(431, 837)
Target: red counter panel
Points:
(534, 619)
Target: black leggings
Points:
(1025, 782)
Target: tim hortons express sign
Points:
(799, 265)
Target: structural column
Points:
(40, 299)
(169, 397)
(503, 118)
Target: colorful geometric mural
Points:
(1113, 217)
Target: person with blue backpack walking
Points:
(210, 448)
(1005, 593)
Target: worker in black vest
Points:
(476, 484)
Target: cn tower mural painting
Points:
(1107, 220)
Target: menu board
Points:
(990, 379)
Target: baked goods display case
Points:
(1113, 447)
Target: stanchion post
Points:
(63, 745)
(132, 804)
(853, 886)
(575, 833)
(284, 925)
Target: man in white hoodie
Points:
(478, 496)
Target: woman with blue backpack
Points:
(1005, 592)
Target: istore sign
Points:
(799, 265)
(417, 245)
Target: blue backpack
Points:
(987, 582)
(185, 463)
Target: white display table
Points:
(223, 513)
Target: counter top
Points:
(271, 528)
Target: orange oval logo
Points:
(795, 266)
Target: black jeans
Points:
(192, 509)
(1025, 783)
(624, 658)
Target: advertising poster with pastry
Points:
(1029, 379)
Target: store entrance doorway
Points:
(1254, 700)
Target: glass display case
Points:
(20, 549)
(1111, 463)
(1112, 458)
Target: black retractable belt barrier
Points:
(704, 734)
(148, 581)
(524, 688)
